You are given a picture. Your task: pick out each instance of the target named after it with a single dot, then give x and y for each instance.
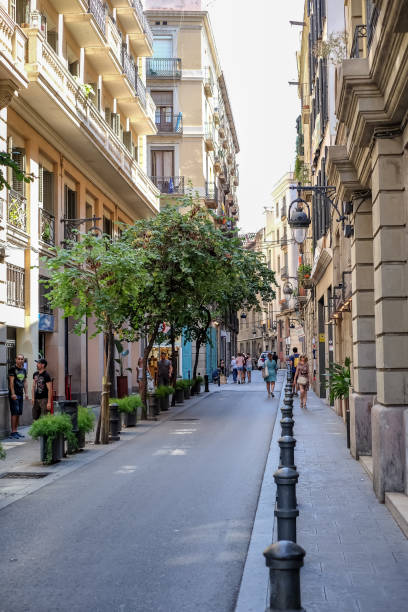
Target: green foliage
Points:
(339, 380)
(127, 404)
(180, 385)
(198, 379)
(86, 419)
(122, 354)
(301, 172)
(2, 452)
(7, 161)
(50, 426)
(333, 48)
(161, 391)
(304, 270)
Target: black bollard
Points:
(114, 422)
(286, 412)
(288, 401)
(287, 426)
(287, 452)
(206, 387)
(286, 510)
(284, 560)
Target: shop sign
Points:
(46, 322)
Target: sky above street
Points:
(257, 48)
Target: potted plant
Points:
(2, 452)
(304, 271)
(179, 391)
(163, 393)
(121, 378)
(52, 429)
(86, 420)
(128, 405)
(338, 382)
(197, 384)
(187, 388)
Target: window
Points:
(43, 302)
(164, 110)
(107, 225)
(19, 157)
(163, 46)
(88, 215)
(162, 163)
(15, 286)
(46, 189)
(70, 203)
(277, 209)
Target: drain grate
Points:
(184, 420)
(24, 474)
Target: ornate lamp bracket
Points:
(327, 191)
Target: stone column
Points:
(391, 314)
(4, 407)
(364, 373)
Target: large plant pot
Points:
(131, 419)
(187, 393)
(80, 436)
(57, 447)
(179, 396)
(154, 405)
(164, 403)
(114, 423)
(122, 386)
(197, 388)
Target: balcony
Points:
(135, 25)
(283, 305)
(86, 20)
(169, 184)
(47, 227)
(163, 68)
(56, 95)
(17, 210)
(15, 286)
(208, 83)
(211, 195)
(284, 242)
(168, 123)
(209, 136)
(283, 212)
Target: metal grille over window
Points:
(15, 286)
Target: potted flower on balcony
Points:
(304, 271)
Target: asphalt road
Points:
(161, 524)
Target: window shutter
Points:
(18, 156)
(48, 191)
(52, 39)
(40, 183)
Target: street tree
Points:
(96, 277)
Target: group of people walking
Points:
(241, 367)
(300, 374)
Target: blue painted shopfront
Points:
(187, 356)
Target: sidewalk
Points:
(356, 555)
(23, 457)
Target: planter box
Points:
(187, 393)
(80, 436)
(197, 388)
(57, 448)
(154, 405)
(131, 419)
(179, 396)
(165, 403)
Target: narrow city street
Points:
(161, 523)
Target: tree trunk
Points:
(146, 354)
(111, 365)
(173, 364)
(199, 342)
(102, 428)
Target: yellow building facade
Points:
(76, 115)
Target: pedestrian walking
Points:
(294, 359)
(269, 374)
(139, 375)
(164, 370)
(222, 367)
(41, 391)
(17, 378)
(248, 365)
(302, 379)
(234, 369)
(240, 367)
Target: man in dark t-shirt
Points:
(42, 390)
(164, 370)
(17, 377)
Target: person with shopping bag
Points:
(269, 371)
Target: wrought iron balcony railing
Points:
(17, 210)
(129, 68)
(284, 305)
(211, 191)
(359, 33)
(137, 5)
(283, 244)
(167, 122)
(98, 10)
(284, 272)
(169, 184)
(47, 227)
(163, 68)
(140, 90)
(15, 286)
